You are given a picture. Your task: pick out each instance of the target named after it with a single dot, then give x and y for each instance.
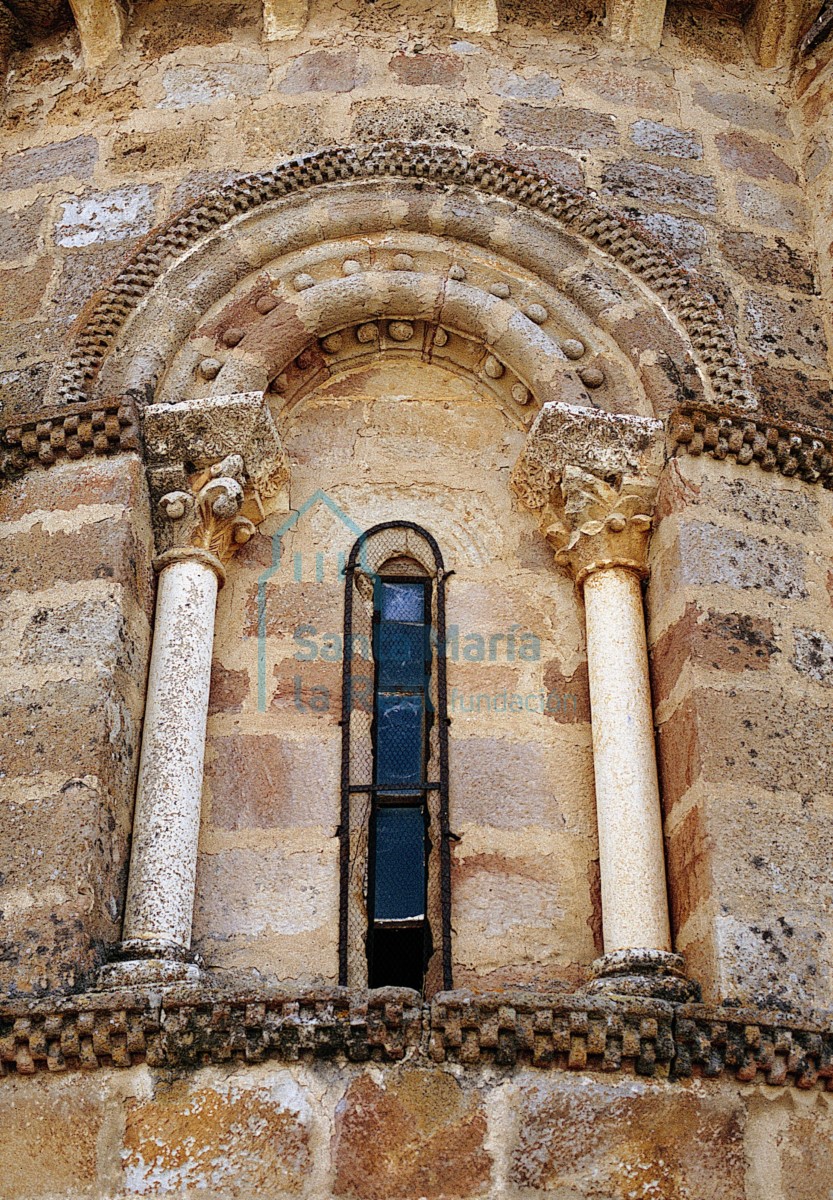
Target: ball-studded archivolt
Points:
(648, 307)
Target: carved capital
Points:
(592, 477)
(216, 469)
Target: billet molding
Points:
(81, 431)
(781, 447)
(184, 1027)
(576, 212)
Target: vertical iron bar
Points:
(445, 827)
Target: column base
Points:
(658, 974)
(143, 963)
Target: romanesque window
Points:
(394, 804)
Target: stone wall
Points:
(77, 599)
(408, 1132)
(695, 141)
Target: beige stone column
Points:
(592, 476)
(200, 525)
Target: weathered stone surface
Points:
(665, 140)
(711, 555)
(416, 1135)
(19, 230)
(730, 642)
(218, 1137)
(779, 263)
(574, 128)
(45, 164)
(661, 185)
(568, 1136)
(262, 782)
(784, 327)
(813, 656)
(425, 70)
(59, 1128)
(106, 217)
(186, 87)
(325, 71)
(782, 211)
(759, 112)
(539, 87)
(743, 152)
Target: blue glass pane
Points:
(402, 602)
(399, 732)
(401, 650)
(399, 864)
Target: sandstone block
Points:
(106, 216)
(22, 291)
(732, 642)
(187, 87)
(229, 688)
(427, 70)
(779, 326)
(219, 1139)
(325, 71)
(438, 120)
(665, 140)
(539, 87)
(19, 231)
(813, 655)
(784, 212)
(45, 164)
(49, 1140)
(263, 781)
(743, 152)
(573, 128)
(792, 394)
(712, 555)
(752, 112)
(779, 263)
(612, 1140)
(417, 1135)
(660, 185)
(686, 239)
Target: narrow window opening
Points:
(395, 864)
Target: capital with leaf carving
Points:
(592, 477)
(216, 469)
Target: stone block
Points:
(638, 90)
(426, 70)
(617, 1139)
(106, 216)
(49, 1144)
(46, 164)
(22, 291)
(432, 121)
(761, 111)
(535, 88)
(660, 185)
(325, 71)
(731, 642)
(160, 150)
(572, 128)
(559, 165)
(219, 1137)
(416, 1135)
(686, 239)
(20, 230)
(229, 689)
(782, 211)
(282, 130)
(779, 326)
(778, 263)
(665, 140)
(189, 86)
(742, 152)
(710, 554)
(793, 395)
(813, 655)
(260, 781)
(689, 853)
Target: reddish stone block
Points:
(732, 642)
(660, 185)
(427, 70)
(418, 1136)
(793, 394)
(689, 853)
(568, 696)
(742, 152)
(678, 754)
(779, 263)
(259, 781)
(325, 71)
(574, 128)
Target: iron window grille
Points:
(394, 762)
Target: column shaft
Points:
(166, 822)
(632, 862)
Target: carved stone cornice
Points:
(216, 469)
(592, 477)
(183, 1027)
(69, 432)
(780, 446)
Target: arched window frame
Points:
(437, 764)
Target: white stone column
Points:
(166, 823)
(631, 858)
(200, 525)
(593, 476)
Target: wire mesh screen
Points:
(385, 695)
